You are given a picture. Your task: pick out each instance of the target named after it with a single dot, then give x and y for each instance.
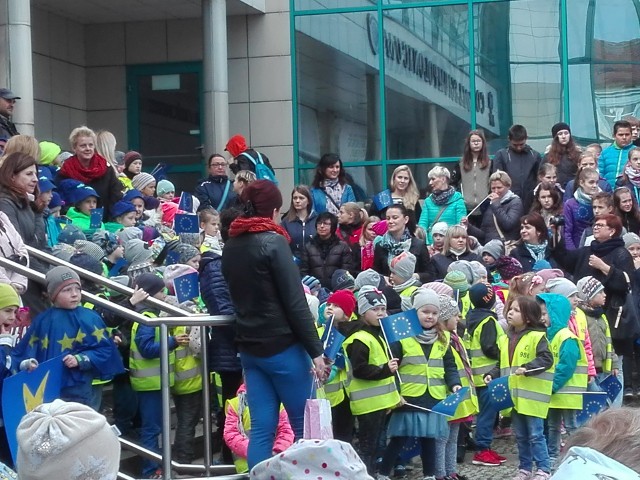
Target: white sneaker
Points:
(430, 477)
(522, 475)
(540, 475)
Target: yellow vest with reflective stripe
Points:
(570, 395)
(188, 369)
(470, 405)
(607, 363)
(531, 394)
(366, 396)
(481, 365)
(419, 373)
(466, 305)
(407, 292)
(216, 381)
(145, 372)
(334, 391)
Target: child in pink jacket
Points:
(237, 429)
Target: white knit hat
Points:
(66, 440)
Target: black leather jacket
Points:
(267, 294)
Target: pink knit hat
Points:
(440, 288)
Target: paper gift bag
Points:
(317, 419)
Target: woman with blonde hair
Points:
(404, 190)
(456, 247)
(106, 146)
(23, 144)
(444, 204)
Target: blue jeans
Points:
(150, 404)
(532, 446)
(554, 420)
(485, 419)
(282, 378)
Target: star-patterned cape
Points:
(57, 331)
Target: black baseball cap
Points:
(8, 94)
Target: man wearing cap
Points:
(237, 146)
(7, 101)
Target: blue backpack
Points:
(263, 172)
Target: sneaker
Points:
(156, 474)
(399, 471)
(486, 458)
(523, 475)
(628, 392)
(540, 475)
(498, 457)
(456, 476)
(501, 432)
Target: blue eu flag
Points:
(173, 258)
(449, 405)
(95, 220)
(592, 404)
(401, 325)
(187, 287)
(332, 340)
(411, 448)
(612, 386)
(186, 223)
(499, 394)
(383, 199)
(186, 202)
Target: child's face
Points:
(395, 279)
(545, 199)
(545, 314)
(596, 154)
(550, 176)
(374, 315)
(69, 297)
(168, 196)
(514, 317)
(536, 289)
(128, 219)
(634, 133)
(626, 202)
(7, 317)
(211, 227)
(161, 295)
(590, 184)
(428, 316)
(139, 204)
(46, 197)
(369, 234)
(194, 261)
(149, 190)
(438, 240)
(452, 324)
(573, 300)
(588, 162)
(634, 250)
(238, 186)
(623, 136)
(55, 212)
(634, 160)
(599, 299)
(600, 207)
(135, 167)
(336, 311)
(488, 259)
(88, 204)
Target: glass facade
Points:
(386, 82)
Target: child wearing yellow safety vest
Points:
(372, 390)
(569, 370)
(525, 357)
(144, 366)
(340, 305)
(447, 447)
(402, 278)
(591, 307)
(428, 372)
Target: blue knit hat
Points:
(56, 201)
(121, 208)
(70, 234)
(73, 191)
(131, 194)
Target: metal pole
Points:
(165, 385)
(206, 398)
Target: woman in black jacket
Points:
(326, 253)
(456, 247)
(399, 238)
(276, 335)
(534, 244)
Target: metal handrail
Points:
(183, 318)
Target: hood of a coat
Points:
(559, 310)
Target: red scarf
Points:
(72, 168)
(256, 225)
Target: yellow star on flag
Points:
(66, 342)
(80, 336)
(32, 400)
(98, 333)
(45, 342)
(33, 340)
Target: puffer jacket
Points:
(301, 232)
(223, 354)
(339, 256)
(612, 161)
(507, 212)
(210, 192)
(453, 212)
(267, 294)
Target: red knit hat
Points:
(344, 299)
(130, 157)
(236, 145)
(264, 197)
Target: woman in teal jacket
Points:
(444, 204)
(330, 188)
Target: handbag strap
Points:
(224, 195)
(495, 222)
(322, 189)
(435, 220)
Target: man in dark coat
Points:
(217, 190)
(7, 102)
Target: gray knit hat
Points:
(495, 248)
(439, 228)
(448, 308)
(141, 180)
(464, 267)
(589, 287)
(424, 296)
(370, 297)
(129, 233)
(59, 277)
(136, 251)
(90, 248)
(403, 265)
(630, 239)
(479, 270)
(368, 277)
(63, 251)
(561, 286)
(186, 252)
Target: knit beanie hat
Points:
(439, 228)
(63, 251)
(630, 239)
(313, 283)
(130, 157)
(370, 297)
(141, 180)
(70, 234)
(457, 280)
(121, 208)
(440, 288)
(107, 241)
(129, 233)
(56, 201)
(66, 440)
(345, 300)
(541, 265)
(479, 270)
(261, 198)
(482, 295)
(136, 251)
(561, 286)
(164, 186)
(424, 296)
(403, 265)
(236, 145)
(48, 152)
(89, 248)
(380, 228)
(59, 277)
(549, 273)
(149, 282)
(87, 262)
(73, 191)
(131, 194)
(342, 280)
(119, 157)
(186, 252)
(508, 267)
(448, 308)
(588, 287)
(368, 277)
(8, 296)
(495, 248)
(190, 238)
(174, 271)
(465, 267)
(559, 126)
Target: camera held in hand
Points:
(557, 221)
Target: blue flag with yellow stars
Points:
(186, 223)
(24, 391)
(80, 332)
(499, 393)
(95, 219)
(592, 404)
(612, 386)
(186, 202)
(401, 325)
(187, 287)
(332, 340)
(449, 405)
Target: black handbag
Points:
(623, 316)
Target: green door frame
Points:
(133, 115)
